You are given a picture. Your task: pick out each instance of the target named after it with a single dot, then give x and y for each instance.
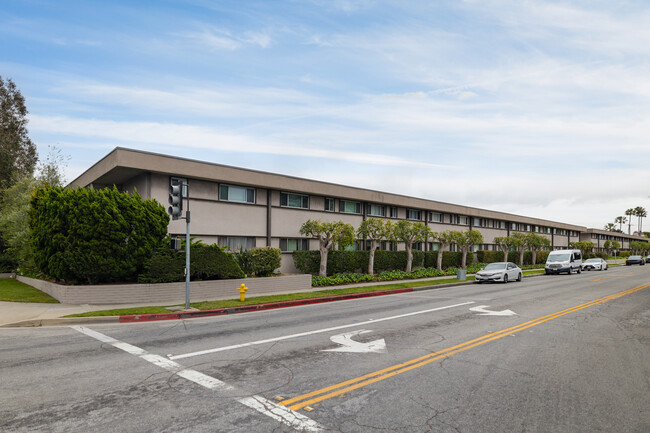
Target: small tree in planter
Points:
(519, 242)
(505, 244)
(374, 230)
(410, 233)
(610, 245)
(535, 243)
(328, 234)
(466, 242)
(445, 239)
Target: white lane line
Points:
(279, 413)
(318, 331)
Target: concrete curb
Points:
(180, 315)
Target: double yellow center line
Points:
(314, 397)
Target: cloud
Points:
(219, 39)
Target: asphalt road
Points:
(563, 354)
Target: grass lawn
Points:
(229, 303)
(15, 291)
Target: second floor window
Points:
(236, 193)
(376, 210)
(294, 200)
(413, 214)
(350, 206)
(329, 204)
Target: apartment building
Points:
(241, 208)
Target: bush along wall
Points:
(341, 262)
(207, 262)
(93, 236)
(259, 261)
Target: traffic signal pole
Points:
(176, 210)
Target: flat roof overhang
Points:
(122, 164)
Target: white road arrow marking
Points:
(482, 309)
(349, 345)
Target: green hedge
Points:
(339, 262)
(93, 236)
(259, 261)
(486, 256)
(207, 262)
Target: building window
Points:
(462, 220)
(392, 246)
(350, 206)
(434, 246)
(413, 214)
(329, 204)
(376, 210)
(476, 222)
(236, 193)
(237, 243)
(356, 246)
(294, 200)
(393, 212)
(435, 217)
(181, 181)
(290, 244)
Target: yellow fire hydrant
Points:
(242, 290)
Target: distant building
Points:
(240, 208)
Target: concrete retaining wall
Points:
(171, 293)
(6, 275)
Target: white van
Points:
(563, 261)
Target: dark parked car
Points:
(647, 259)
(635, 260)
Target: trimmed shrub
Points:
(93, 236)
(207, 262)
(307, 262)
(485, 256)
(259, 261)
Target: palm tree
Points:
(641, 213)
(610, 227)
(630, 214)
(620, 220)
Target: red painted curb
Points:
(256, 307)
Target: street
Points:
(557, 353)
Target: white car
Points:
(597, 264)
(499, 271)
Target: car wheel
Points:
(606, 267)
(477, 281)
(579, 270)
(519, 277)
(505, 279)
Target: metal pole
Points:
(187, 251)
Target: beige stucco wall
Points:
(171, 293)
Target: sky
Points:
(537, 108)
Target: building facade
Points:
(240, 208)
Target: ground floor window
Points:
(237, 243)
(294, 244)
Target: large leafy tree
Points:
(374, 230)
(17, 152)
(620, 220)
(410, 233)
(328, 235)
(14, 228)
(630, 214)
(610, 245)
(640, 213)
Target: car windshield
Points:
(495, 266)
(635, 257)
(558, 257)
(592, 260)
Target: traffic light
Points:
(175, 200)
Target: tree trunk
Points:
(505, 254)
(440, 258)
(409, 258)
(323, 261)
(521, 257)
(534, 253)
(464, 260)
(371, 258)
